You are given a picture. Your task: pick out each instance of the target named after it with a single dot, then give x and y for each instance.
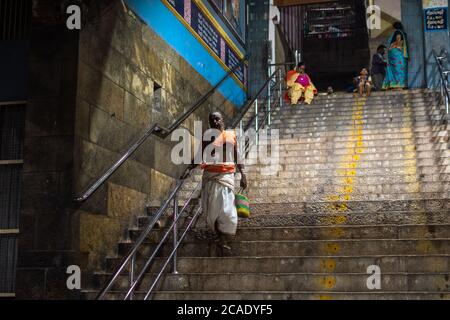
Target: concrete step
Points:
(367, 135)
(395, 139)
(406, 181)
(384, 175)
(389, 177)
(331, 186)
(319, 170)
(350, 162)
(332, 214)
(273, 295)
(352, 134)
(280, 196)
(355, 192)
(399, 111)
(416, 108)
(377, 95)
(359, 160)
(366, 153)
(395, 212)
(399, 119)
(339, 117)
(311, 248)
(314, 233)
(348, 124)
(322, 163)
(396, 116)
(350, 129)
(310, 265)
(373, 99)
(402, 145)
(380, 185)
(432, 282)
(370, 100)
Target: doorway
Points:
(335, 42)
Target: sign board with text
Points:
(206, 30)
(435, 13)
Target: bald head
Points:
(216, 121)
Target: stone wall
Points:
(46, 244)
(122, 61)
(92, 95)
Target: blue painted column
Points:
(412, 20)
(435, 40)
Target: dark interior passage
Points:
(335, 42)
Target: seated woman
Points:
(300, 85)
(364, 83)
(398, 58)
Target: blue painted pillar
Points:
(412, 20)
(434, 40)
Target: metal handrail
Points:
(131, 256)
(177, 216)
(166, 235)
(445, 94)
(249, 104)
(252, 102)
(140, 240)
(156, 130)
(265, 120)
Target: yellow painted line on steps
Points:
(348, 167)
(329, 265)
(411, 175)
(337, 232)
(328, 282)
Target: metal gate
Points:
(12, 122)
(15, 22)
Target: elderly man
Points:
(220, 161)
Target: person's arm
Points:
(240, 166)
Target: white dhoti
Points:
(218, 202)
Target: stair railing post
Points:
(175, 232)
(256, 122)
(280, 75)
(269, 103)
(445, 88)
(132, 270)
(241, 139)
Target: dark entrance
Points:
(15, 17)
(335, 41)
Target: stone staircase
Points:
(360, 183)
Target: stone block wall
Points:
(121, 63)
(92, 95)
(46, 222)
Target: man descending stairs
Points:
(358, 209)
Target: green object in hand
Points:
(242, 206)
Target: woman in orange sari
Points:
(300, 85)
